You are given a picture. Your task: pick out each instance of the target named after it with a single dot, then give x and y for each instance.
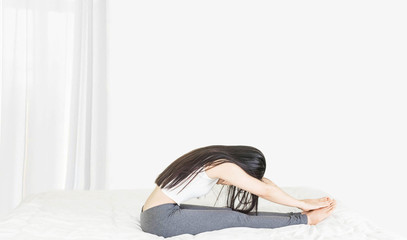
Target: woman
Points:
(241, 168)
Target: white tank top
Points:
(198, 187)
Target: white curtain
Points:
(53, 97)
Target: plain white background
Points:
(318, 86)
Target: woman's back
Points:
(198, 186)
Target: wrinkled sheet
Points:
(115, 214)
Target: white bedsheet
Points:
(114, 215)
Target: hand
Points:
(310, 204)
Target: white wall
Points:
(318, 86)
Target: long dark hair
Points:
(250, 159)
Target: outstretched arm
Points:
(304, 204)
(279, 196)
(264, 188)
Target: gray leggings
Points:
(171, 219)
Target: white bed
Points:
(114, 214)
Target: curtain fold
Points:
(53, 97)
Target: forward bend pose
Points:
(242, 169)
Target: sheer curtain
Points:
(53, 97)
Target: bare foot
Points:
(317, 215)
